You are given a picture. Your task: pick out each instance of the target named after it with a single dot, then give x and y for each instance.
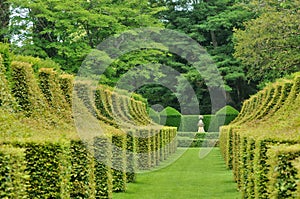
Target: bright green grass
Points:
(187, 178)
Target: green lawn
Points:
(187, 178)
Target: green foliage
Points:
(226, 115)
(131, 163)
(171, 117)
(13, 176)
(119, 162)
(104, 175)
(6, 99)
(66, 85)
(261, 146)
(56, 35)
(154, 115)
(26, 90)
(44, 169)
(38, 63)
(6, 58)
(211, 123)
(4, 18)
(81, 165)
(268, 46)
(189, 123)
(50, 86)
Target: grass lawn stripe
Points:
(189, 177)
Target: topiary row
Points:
(54, 164)
(261, 146)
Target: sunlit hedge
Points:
(261, 146)
(42, 156)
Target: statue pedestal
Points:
(201, 129)
(200, 124)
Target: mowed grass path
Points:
(187, 178)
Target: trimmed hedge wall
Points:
(48, 160)
(26, 90)
(6, 99)
(189, 123)
(13, 175)
(262, 146)
(171, 117)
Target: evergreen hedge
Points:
(171, 117)
(52, 162)
(262, 146)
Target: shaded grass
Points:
(188, 177)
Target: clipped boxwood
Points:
(45, 169)
(189, 123)
(13, 177)
(81, 163)
(26, 90)
(66, 83)
(171, 117)
(210, 123)
(6, 99)
(226, 114)
(119, 162)
(154, 115)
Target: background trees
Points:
(269, 46)
(67, 30)
(251, 42)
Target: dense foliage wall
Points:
(261, 145)
(42, 155)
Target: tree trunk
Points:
(213, 39)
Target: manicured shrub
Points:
(131, 163)
(171, 116)
(45, 170)
(189, 123)
(13, 177)
(66, 83)
(226, 114)
(143, 148)
(81, 165)
(210, 123)
(6, 99)
(154, 115)
(37, 63)
(49, 84)
(26, 90)
(119, 162)
(262, 146)
(103, 158)
(283, 174)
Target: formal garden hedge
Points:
(261, 145)
(195, 139)
(211, 122)
(170, 117)
(41, 154)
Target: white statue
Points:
(200, 124)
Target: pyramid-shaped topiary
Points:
(226, 114)
(170, 117)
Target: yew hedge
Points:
(48, 159)
(261, 145)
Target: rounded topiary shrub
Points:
(154, 115)
(226, 114)
(170, 117)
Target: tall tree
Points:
(211, 24)
(4, 20)
(67, 30)
(269, 46)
